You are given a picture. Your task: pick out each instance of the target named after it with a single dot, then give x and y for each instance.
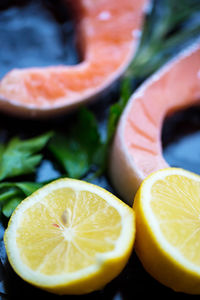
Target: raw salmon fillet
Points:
(137, 146)
(108, 33)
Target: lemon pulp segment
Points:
(66, 230)
(175, 201)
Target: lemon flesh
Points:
(176, 205)
(167, 208)
(67, 235)
(67, 238)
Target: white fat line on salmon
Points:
(141, 131)
(142, 148)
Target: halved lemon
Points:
(70, 237)
(167, 208)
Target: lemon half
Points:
(70, 237)
(167, 208)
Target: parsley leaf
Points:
(11, 194)
(78, 150)
(20, 157)
(117, 108)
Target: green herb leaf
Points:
(28, 187)
(7, 193)
(169, 27)
(77, 151)
(117, 108)
(11, 194)
(19, 157)
(10, 206)
(70, 155)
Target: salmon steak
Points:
(107, 32)
(137, 150)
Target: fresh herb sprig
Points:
(169, 27)
(19, 157)
(79, 151)
(11, 194)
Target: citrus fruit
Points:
(137, 146)
(167, 207)
(108, 33)
(70, 237)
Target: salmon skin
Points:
(107, 32)
(137, 147)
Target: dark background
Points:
(42, 33)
